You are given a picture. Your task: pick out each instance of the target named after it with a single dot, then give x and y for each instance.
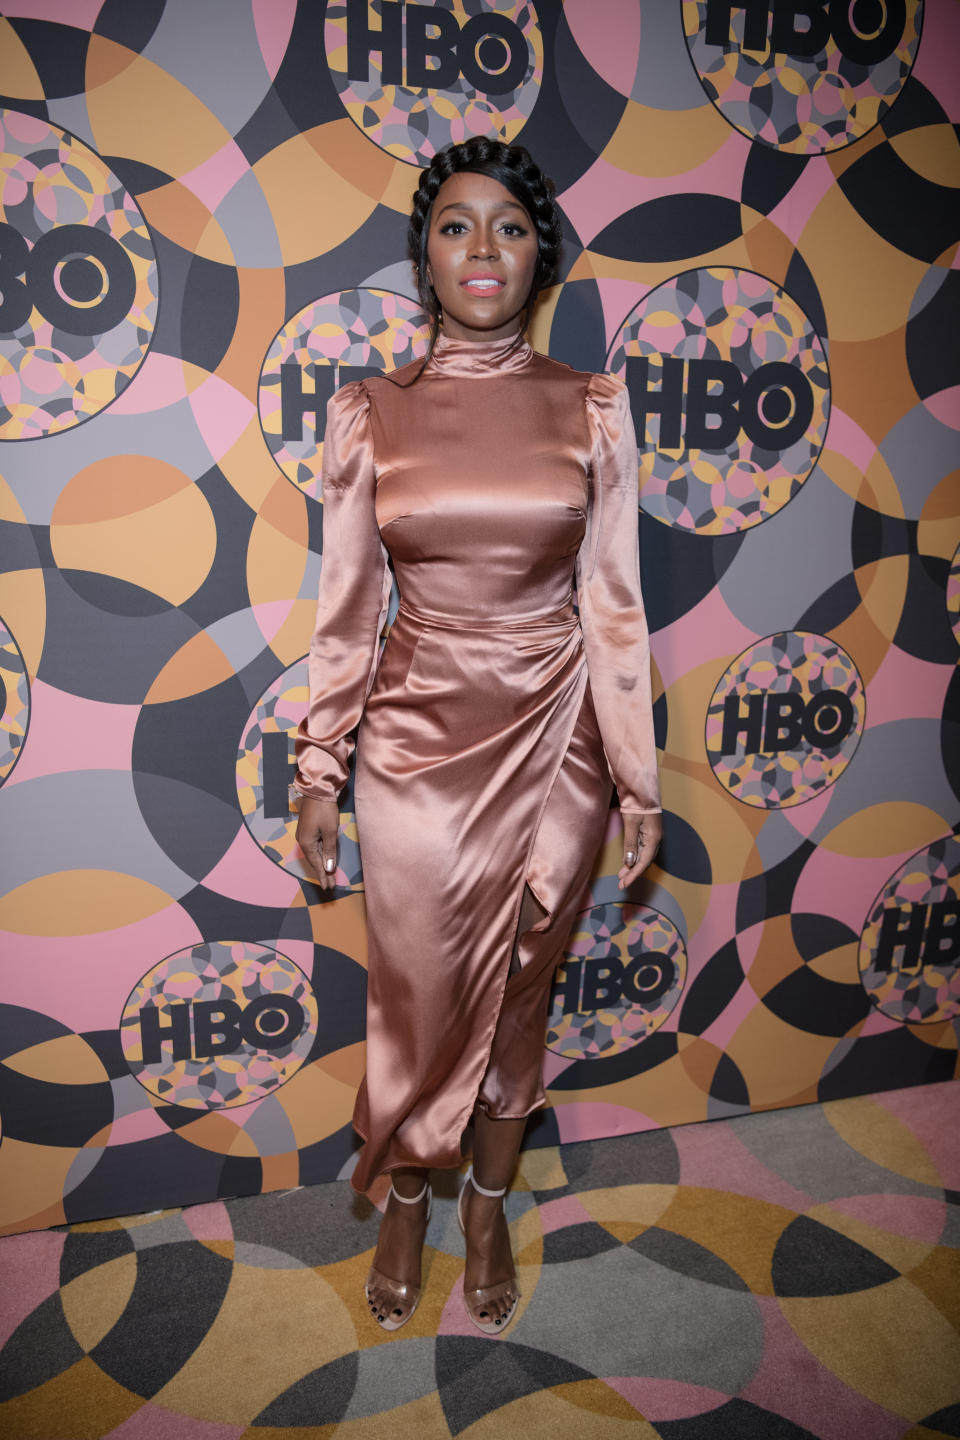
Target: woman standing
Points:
(494, 478)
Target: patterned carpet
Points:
(779, 1275)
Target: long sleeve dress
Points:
(491, 727)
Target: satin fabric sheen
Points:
(494, 721)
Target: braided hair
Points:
(513, 168)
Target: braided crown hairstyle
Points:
(516, 171)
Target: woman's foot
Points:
(490, 1288)
(392, 1288)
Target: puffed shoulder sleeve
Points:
(353, 600)
(612, 616)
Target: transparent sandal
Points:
(477, 1302)
(403, 1297)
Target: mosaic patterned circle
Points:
(265, 769)
(803, 78)
(416, 78)
(622, 974)
(785, 720)
(953, 595)
(78, 281)
(351, 335)
(14, 702)
(730, 396)
(218, 1025)
(910, 946)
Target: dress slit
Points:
(523, 1030)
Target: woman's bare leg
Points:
(400, 1242)
(496, 1144)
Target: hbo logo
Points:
(80, 279)
(204, 1028)
(801, 28)
(591, 985)
(924, 934)
(296, 401)
(773, 406)
(490, 52)
(782, 721)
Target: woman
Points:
(493, 476)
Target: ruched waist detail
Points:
(562, 619)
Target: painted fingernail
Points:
(329, 866)
(631, 857)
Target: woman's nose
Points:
(484, 246)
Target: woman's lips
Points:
(483, 284)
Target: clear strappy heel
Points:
(477, 1302)
(403, 1297)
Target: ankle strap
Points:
(492, 1194)
(409, 1199)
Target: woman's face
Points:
(481, 255)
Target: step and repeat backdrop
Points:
(202, 235)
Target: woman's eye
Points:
(511, 229)
(452, 227)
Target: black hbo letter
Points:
(153, 1032)
(272, 1022)
(873, 48)
(441, 47)
(754, 23)
(828, 719)
(15, 302)
(70, 246)
(897, 933)
(787, 39)
(942, 943)
(601, 984)
(760, 392)
(647, 979)
(475, 51)
(215, 1018)
(721, 403)
(783, 729)
(734, 722)
(361, 40)
(665, 402)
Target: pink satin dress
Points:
(492, 725)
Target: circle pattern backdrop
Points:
(265, 766)
(910, 946)
(762, 243)
(330, 342)
(75, 328)
(218, 1025)
(417, 80)
(785, 720)
(14, 702)
(808, 87)
(621, 977)
(733, 378)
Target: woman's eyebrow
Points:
(466, 205)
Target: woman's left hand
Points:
(641, 841)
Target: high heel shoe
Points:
(402, 1295)
(477, 1302)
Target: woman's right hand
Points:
(317, 831)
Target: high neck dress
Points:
(492, 725)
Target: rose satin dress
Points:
(494, 721)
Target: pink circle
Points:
(40, 376)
